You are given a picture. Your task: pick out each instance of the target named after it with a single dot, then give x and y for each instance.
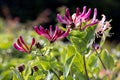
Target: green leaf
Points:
(68, 65)
(45, 65)
(31, 77)
(69, 78)
(77, 33)
(107, 59)
(40, 77)
(44, 62)
(80, 45)
(63, 55)
(90, 34)
(83, 40)
(78, 63)
(71, 51)
(16, 75)
(79, 76)
(92, 61)
(27, 70)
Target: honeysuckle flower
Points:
(20, 45)
(79, 19)
(102, 25)
(52, 37)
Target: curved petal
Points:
(94, 16)
(44, 32)
(88, 25)
(58, 34)
(87, 14)
(41, 28)
(60, 19)
(103, 19)
(84, 11)
(56, 31)
(51, 32)
(65, 34)
(33, 42)
(18, 48)
(77, 11)
(22, 45)
(68, 14)
(67, 20)
(37, 30)
(21, 39)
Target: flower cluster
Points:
(79, 19)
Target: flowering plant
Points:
(81, 59)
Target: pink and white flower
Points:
(102, 25)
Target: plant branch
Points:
(101, 60)
(85, 68)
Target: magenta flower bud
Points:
(94, 20)
(84, 11)
(50, 35)
(77, 11)
(87, 14)
(95, 46)
(20, 45)
(68, 14)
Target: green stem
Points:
(53, 70)
(55, 74)
(101, 60)
(102, 64)
(85, 68)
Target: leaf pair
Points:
(83, 40)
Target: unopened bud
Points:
(38, 45)
(95, 46)
(35, 68)
(21, 68)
